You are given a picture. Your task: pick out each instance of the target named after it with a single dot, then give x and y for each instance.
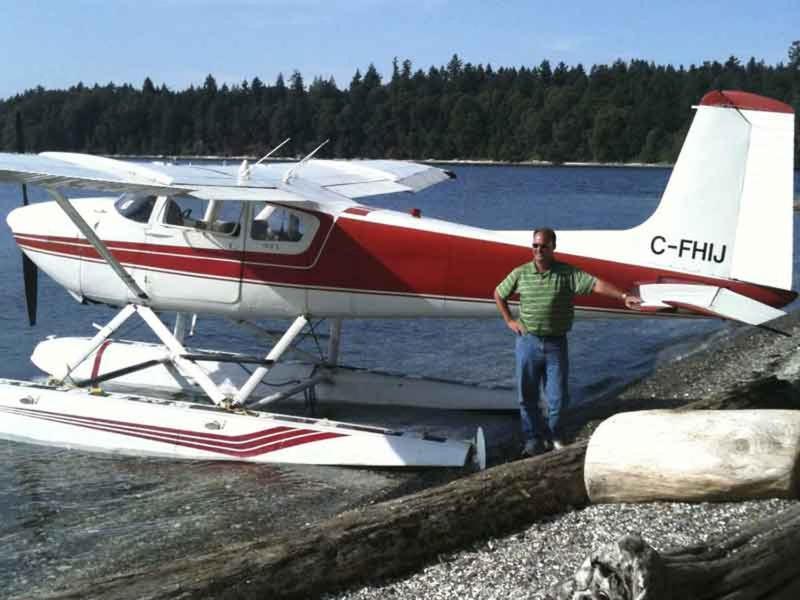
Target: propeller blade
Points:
(30, 272)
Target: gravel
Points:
(527, 564)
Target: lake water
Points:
(66, 515)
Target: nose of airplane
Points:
(19, 219)
(34, 218)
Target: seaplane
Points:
(299, 241)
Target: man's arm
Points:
(502, 306)
(604, 288)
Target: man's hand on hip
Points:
(516, 327)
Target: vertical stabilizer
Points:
(727, 209)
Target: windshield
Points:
(135, 206)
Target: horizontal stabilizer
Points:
(707, 300)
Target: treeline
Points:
(635, 111)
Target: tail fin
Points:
(727, 209)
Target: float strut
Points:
(187, 368)
(333, 343)
(274, 354)
(101, 336)
(179, 331)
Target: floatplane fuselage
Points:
(296, 241)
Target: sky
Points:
(57, 43)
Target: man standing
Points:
(547, 289)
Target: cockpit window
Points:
(135, 206)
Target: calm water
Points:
(65, 515)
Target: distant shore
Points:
(426, 161)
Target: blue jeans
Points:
(541, 361)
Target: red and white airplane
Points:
(296, 240)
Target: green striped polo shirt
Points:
(546, 304)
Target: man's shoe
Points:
(532, 448)
(558, 443)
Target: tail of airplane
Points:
(720, 241)
(727, 210)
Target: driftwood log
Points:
(757, 563)
(380, 540)
(390, 538)
(694, 456)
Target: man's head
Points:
(544, 243)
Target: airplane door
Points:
(282, 246)
(196, 251)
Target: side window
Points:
(277, 223)
(184, 211)
(216, 217)
(278, 229)
(226, 217)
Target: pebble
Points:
(527, 564)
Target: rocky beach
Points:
(528, 563)
(512, 531)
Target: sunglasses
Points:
(542, 246)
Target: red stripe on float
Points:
(255, 447)
(98, 357)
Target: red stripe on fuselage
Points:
(367, 257)
(390, 259)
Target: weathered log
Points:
(386, 539)
(694, 456)
(383, 539)
(757, 563)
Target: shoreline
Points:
(425, 161)
(524, 562)
(479, 162)
(528, 563)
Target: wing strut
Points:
(98, 244)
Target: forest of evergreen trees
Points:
(624, 112)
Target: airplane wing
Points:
(52, 171)
(707, 300)
(361, 178)
(318, 181)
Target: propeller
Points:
(29, 269)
